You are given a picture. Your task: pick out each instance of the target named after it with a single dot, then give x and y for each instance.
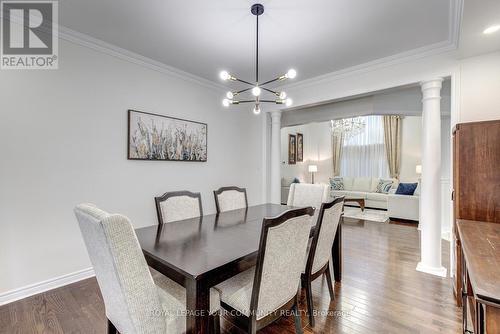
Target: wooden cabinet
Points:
(476, 180)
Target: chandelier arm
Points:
(243, 90)
(246, 101)
(245, 82)
(268, 101)
(269, 90)
(270, 81)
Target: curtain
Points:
(363, 154)
(337, 143)
(392, 135)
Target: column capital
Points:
(275, 115)
(431, 89)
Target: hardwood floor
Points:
(380, 293)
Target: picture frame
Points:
(292, 149)
(300, 147)
(156, 137)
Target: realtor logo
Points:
(29, 35)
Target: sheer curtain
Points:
(364, 154)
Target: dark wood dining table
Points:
(201, 252)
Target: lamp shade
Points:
(418, 169)
(313, 168)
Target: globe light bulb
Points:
(225, 103)
(291, 74)
(288, 102)
(230, 95)
(256, 91)
(256, 109)
(282, 95)
(224, 75)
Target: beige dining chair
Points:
(306, 194)
(178, 205)
(320, 249)
(134, 302)
(261, 295)
(230, 198)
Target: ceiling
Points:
(316, 37)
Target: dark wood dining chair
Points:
(259, 296)
(230, 198)
(320, 250)
(178, 205)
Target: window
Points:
(364, 154)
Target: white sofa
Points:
(403, 206)
(366, 188)
(398, 206)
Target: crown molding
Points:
(451, 44)
(95, 44)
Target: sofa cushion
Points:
(337, 183)
(376, 197)
(374, 184)
(406, 188)
(362, 184)
(384, 186)
(348, 181)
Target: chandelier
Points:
(349, 127)
(257, 88)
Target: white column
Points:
(275, 157)
(430, 196)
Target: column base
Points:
(437, 271)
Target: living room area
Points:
(344, 145)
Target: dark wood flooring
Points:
(380, 293)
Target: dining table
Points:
(202, 252)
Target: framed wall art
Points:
(300, 147)
(163, 138)
(292, 149)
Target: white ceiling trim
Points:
(132, 57)
(455, 15)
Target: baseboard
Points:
(33, 289)
(446, 235)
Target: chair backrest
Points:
(178, 205)
(321, 246)
(129, 293)
(305, 194)
(230, 198)
(283, 245)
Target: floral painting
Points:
(157, 137)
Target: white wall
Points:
(480, 88)
(63, 138)
(411, 148)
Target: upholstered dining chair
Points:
(134, 302)
(320, 250)
(260, 295)
(306, 194)
(178, 205)
(230, 198)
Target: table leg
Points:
(337, 252)
(197, 306)
(362, 205)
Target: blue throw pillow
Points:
(406, 188)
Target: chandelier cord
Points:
(257, 54)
